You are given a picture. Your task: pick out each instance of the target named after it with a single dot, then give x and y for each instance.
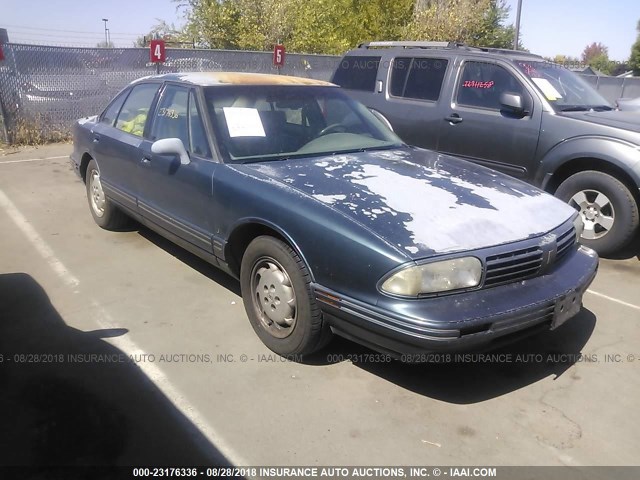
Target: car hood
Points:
(421, 202)
(626, 120)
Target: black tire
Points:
(623, 206)
(308, 332)
(105, 214)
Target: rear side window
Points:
(481, 85)
(135, 110)
(111, 112)
(419, 78)
(357, 73)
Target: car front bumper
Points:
(483, 318)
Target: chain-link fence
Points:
(43, 90)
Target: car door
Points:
(116, 141)
(477, 128)
(414, 88)
(173, 196)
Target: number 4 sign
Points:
(157, 51)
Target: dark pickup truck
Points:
(514, 112)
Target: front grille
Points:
(543, 314)
(513, 266)
(566, 242)
(524, 263)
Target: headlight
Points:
(435, 277)
(578, 223)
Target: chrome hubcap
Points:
(597, 213)
(96, 194)
(274, 297)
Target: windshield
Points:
(565, 90)
(262, 123)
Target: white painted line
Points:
(38, 243)
(128, 347)
(158, 377)
(34, 159)
(612, 299)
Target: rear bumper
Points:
(484, 318)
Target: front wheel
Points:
(608, 209)
(277, 296)
(103, 211)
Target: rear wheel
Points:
(276, 290)
(104, 212)
(608, 209)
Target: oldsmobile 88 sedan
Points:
(330, 222)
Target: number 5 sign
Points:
(278, 56)
(157, 51)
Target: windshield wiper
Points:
(575, 108)
(602, 108)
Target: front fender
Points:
(271, 225)
(622, 154)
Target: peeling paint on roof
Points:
(207, 79)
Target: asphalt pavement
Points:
(119, 348)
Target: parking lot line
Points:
(37, 242)
(125, 344)
(612, 299)
(24, 160)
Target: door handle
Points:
(146, 160)
(453, 118)
(96, 138)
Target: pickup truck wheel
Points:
(609, 210)
(104, 212)
(276, 291)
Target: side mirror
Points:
(171, 146)
(382, 118)
(512, 103)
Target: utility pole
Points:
(106, 32)
(517, 34)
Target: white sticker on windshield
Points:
(243, 122)
(548, 90)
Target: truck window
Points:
(419, 78)
(357, 73)
(481, 85)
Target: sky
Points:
(548, 27)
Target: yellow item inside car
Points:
(135, 125)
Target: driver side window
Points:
(481, 85)
(171, 119)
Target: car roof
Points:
(206, 79)
(442, 48)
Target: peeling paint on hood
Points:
(422, 202)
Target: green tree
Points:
(333, 26)
(568, 61)
(593, 51)
(494, 33)
(161, 29)
(634, 59)
(475, 22)
(602, 64)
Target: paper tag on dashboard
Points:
(243, 122)
(548, 90)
